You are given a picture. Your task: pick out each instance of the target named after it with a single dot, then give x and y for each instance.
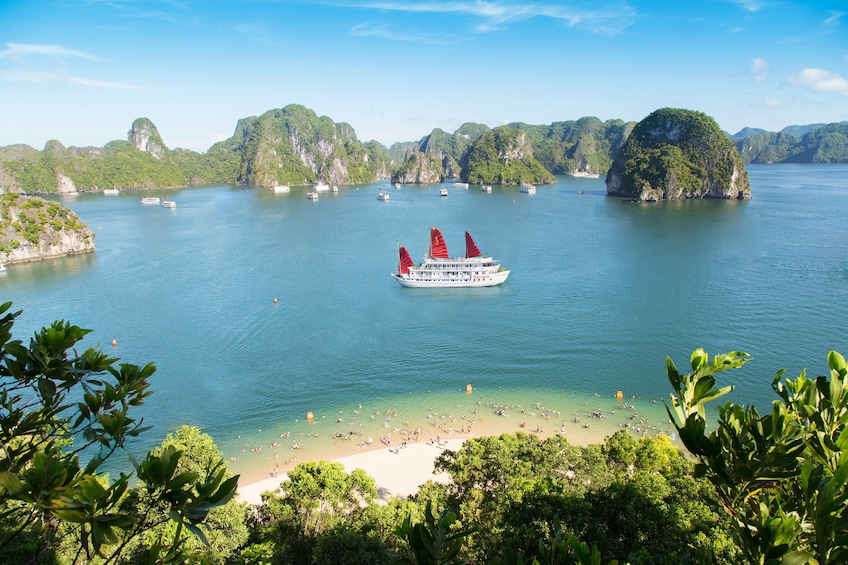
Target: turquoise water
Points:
(601, 291)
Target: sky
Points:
(81, 71)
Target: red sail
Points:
(471, 249)
(438, 247)
(405, 261)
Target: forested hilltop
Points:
(293, 145)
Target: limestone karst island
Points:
(671, 154)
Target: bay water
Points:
(259, 308)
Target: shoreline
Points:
(402, 456)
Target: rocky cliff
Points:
(503, 156)
(32, 228)
(292, 145)
(676, 154)
(144, 136)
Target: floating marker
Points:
(619, 395)
(309, 417)
(468, 388)
(114, 343)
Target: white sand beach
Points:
(398, 473)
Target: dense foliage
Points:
(675, 153)
(781, 475)
(503, 156)
(58, 407)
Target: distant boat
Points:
(486, 188)
(397, 185)
(150, 200)
(169, 204)
(312, 195)
(111, 191)
(528, 188)
(335, 189)
(2, 268)
(384, 196)
(440, 270)
(443, 192)
(460, 184)
(321, 186)
(278, 188)
(585, 174)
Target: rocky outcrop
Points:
(32, 228)
(421, 168)
(145, 137)
(677, 154)
(503, 156)
(65, 184)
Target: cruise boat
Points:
(321, 186)
(384, 196)
(439, 270)
(169, 204)
(111, 191)
(585, 174)
(443, 192)
(486, 188)
(528, 188)
(460, 185)
(278, 188)
(150, 200)
(312, 195)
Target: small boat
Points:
(486, 188)
(169, 204)
(397, 186)
(312, 195)
(278, 188)
(528, 188)
(439, 269)
(443, 192)
(335, 189)
(321, 186)
(111, 191)
(460, 185)
(150, 200)
(384, 196)
(585, 174)
(2, 268)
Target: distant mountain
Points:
(678, 154)
(818, 143)
(503, 155)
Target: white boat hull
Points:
(470, 280)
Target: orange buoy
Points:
(275, 300)
(114, 343)
(309, 417)
(468, 388)
(619, 395)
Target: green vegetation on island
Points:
(503, 155)
(292, 145)
(677, 154)
(33, 228)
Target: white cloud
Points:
(820, 80)
(750, 5)
(773, 103)
(759, 69)
(833, 21)
(495, 14)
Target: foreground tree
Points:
(57, 406)
(781, 476)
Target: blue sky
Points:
(81, 71)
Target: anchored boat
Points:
(439, 269)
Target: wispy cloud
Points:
(22, 54)
(759, 69)
(833, 21)
(17, 52)
(495, 15)
(821, 80)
